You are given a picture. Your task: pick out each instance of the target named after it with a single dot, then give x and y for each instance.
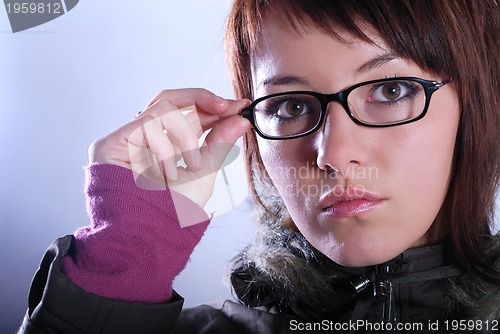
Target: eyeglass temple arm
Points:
(442, 83)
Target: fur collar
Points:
(281, 268)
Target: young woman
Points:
(372, 154)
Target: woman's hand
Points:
(169, 129)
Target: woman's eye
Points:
(290, 109)
(389, 92)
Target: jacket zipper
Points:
(382, 291)
(383, 294)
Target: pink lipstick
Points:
(348, 202)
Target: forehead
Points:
(298, 23)
(312, 51)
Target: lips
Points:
(348, 202)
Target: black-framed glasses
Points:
(377, 103)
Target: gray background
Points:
(76, 78)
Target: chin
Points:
(352, 255)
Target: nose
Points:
(341, 144)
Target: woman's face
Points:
(389, 183)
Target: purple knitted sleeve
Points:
(135, 245)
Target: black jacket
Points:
(411, 290)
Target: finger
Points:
(160, 145)
(209, 106)
(220, 141)
(148, 145)
(139, 156)
(181, 132)
(142, 161)
(193, 119)
(207, 120)
(199, 97)
(164, 107)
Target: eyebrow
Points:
(376, 62)
(283, 80)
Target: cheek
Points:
(278, 162)
(422, 162)
(290, 170)
(419, 183)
